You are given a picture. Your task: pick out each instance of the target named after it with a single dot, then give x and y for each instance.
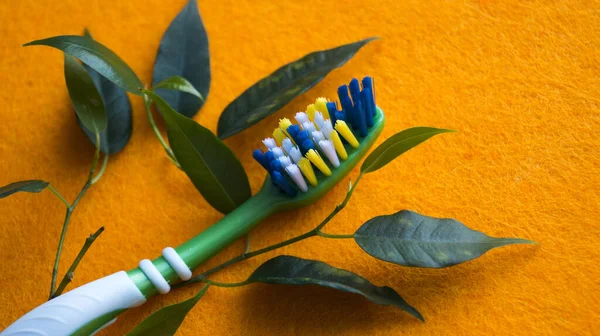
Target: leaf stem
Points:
(225, 284)
(68, 214)
(69, 275)
(314, 232)
(334, 236)
(101, 172)
(162, 141)
(57, 194)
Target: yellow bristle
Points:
(316, 159)
(310, 110)
(307, 170)
(284, 123)
(345, 131)
(321, 106)
(279, 136)
(339, 146)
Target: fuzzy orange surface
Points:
(519, 80)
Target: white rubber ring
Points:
(154, 276)
(175, 261)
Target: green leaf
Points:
(166, 321)
(32, 186)
(410, 239)
(290, 270)
(279, 88)
(98, 57)
(183, 52)
(118, 113)
(178, 83)
(85, 98)
(398, 144)
(207, 161)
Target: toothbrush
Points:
(304, 161)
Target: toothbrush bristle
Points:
(285, 161)
(295, 154)
(301, 117)
(321, 106)
(317, 136)
(323, 130)
(309, 126)
(310, 111)
(327, 148)
(287, 145)
(319, 119)
(294, 172)
(279, 135)
(277, 151)
(269, 143)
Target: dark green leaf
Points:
(207, 161)
(290, 270)
(32, 186)
(166, 321)
(279, 88)
(178, 83)
(183, 52)
(396, 145)
(410, 239)
(98, 57)
(85, 98)
(118, 111)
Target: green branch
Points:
(69, 275)
(69, 212)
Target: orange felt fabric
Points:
(518, 79)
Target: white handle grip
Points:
(80, 309)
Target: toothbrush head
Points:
(306, 160)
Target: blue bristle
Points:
(259, 156)
(268, 158)
(361, 118)
(367, 102)
(293, 132)
(307, 145)
(339, 115)
(346, 104)
(283, 184)
(350, 112)
(367, 83)
(354, 90)
(301, 138)
(275, 167)
(332, 109)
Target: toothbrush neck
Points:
(233, 226)
(211, 241)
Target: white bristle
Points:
(319, 120)
(301, 117)
(327, 128)
(285, 161)
(318, 136)
(309, 126)
(295, 154)
(329, 150)
(294, 172)
(270, 143)
(277, 151)
(287, 145)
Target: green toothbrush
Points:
(296, 155)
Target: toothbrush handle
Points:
(82, 311)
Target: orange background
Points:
(518, 79)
